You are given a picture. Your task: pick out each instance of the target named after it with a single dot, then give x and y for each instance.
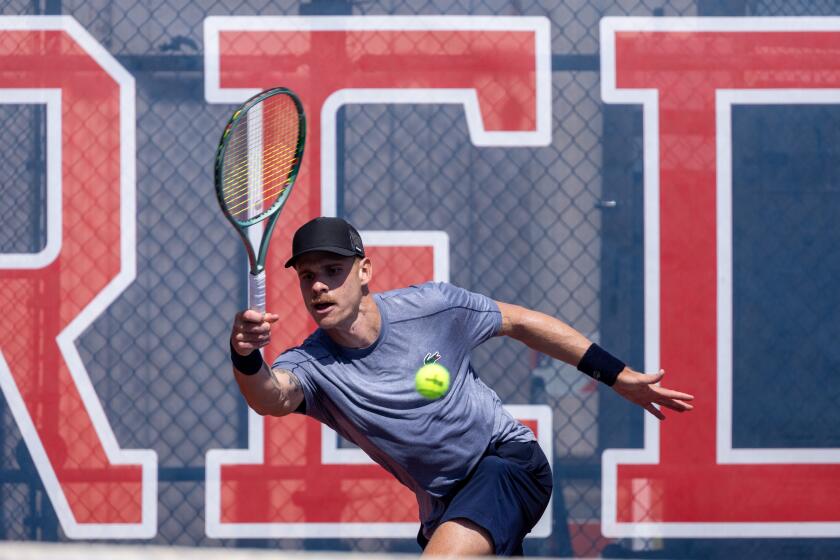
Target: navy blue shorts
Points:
(506, 494)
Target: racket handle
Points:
(256, 291)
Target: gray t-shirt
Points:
(368, 395)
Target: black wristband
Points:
(247, 365)
(600, 365)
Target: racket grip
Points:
(256, 291)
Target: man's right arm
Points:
(272, 393)
(267, 392)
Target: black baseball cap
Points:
(332, 235)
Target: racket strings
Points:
(243, 206)
(240, 176)
(260, 157)
(277, 158)
(241, 198)
(238, 150)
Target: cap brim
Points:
(337, 250)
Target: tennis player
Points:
(480, 478)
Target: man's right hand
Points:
(251, 330)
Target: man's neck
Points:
(365, 328)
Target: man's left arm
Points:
(555, 338)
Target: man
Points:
(480, 478)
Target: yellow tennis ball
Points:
(432, 381)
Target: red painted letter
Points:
(48, 298)
(688, 481)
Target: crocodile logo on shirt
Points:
(431, 358)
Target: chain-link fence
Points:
(526, 225)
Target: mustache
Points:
(321, 301)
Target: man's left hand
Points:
(643, 390)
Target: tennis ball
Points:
(432, 381)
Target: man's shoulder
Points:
(419, 300)
(415, 294)
(314, 348)
(414, 291)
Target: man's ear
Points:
(365, 271)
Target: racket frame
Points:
(256, 259)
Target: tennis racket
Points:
(257, 162)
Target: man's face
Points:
(332, 287)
